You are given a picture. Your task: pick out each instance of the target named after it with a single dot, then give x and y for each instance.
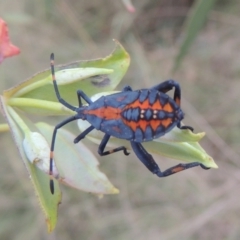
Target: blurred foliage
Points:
(193, 24)
(195, 204)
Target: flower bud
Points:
(37, 151)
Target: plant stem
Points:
(39, 104)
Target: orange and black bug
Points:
(136, 116)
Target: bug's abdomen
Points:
(151, 115)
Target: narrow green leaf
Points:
(113, 68)
(177, 144)
(76, 164)
(38, 106)
(193, 25)
(48, 202)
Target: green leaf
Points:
(36, 95)
(183, 151)
(193, 25)
(177, 144)
(48, 202)
(181, 135)
(110, 72)
(76, 164)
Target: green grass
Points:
(194, 204)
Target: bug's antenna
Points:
(51, 152)
(53, 75)
(73, 118)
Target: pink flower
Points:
(7, 49)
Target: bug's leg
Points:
(83, 134)
(52, 148)
(169, 85)
(62, 101)
(185, 127)
(103, 145)
(127, 89)
(80, 95)
(145, 157)
(149, 162)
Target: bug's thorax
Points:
(81, 112)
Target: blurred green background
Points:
(194, 204)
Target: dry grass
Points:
(195, 204)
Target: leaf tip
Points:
(115, 191)
(210, 163)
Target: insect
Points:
(136, 116)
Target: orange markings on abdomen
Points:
(157, 105)
(153, 123)
(143, 124)
(107, 113)
(168, 108)
(145, 105)
(166, 122)
(134, 125)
